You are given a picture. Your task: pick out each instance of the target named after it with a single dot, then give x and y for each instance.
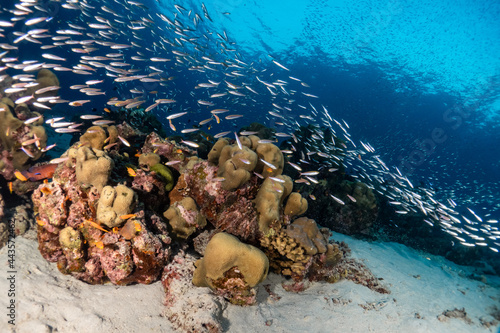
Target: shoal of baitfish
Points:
(136, 46)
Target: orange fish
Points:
(40, 222)
(10, 187)
(107, 110)
(46, 190)
(40, 172)
(99, 245)
(125, 217)
(137, 226)
(131, 172)
(20, 176)
(95, 225)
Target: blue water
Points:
(395, 71)
(418, 80)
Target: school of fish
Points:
(150, 52)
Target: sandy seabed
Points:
(423, 287)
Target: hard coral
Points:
(230, 263)
(269, 198)
(214, 154)
(235, 165)
(185, 218)
(271, 154)
(93, 167)
(306, 233)
(94, 137)
(295, 205)
(147, 160)
(114, 203)
(298, 248)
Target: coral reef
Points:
(94, 232)
(23, 139)
(357, 213)
(126, 214)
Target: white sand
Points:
(422, 286)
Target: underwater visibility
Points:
(248, 166)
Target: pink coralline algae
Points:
(230, 211)
(69, 234)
